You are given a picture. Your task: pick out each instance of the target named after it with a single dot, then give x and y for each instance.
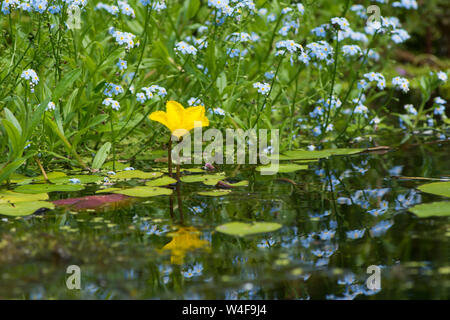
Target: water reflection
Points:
(341, 216)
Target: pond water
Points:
(150, 249)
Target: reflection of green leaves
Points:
(14, 197)
(163, 181)
(44, 188)
(145, 191)
(214, 193)
(434, 209)
(241, 229)
(24, 208)
(135, 174)
(306, 155)
(284, 167)
(438, 188)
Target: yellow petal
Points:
(195, 114)
(175, 115)
(161, 117)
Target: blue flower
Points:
(122, 64)
(380, 228)
(262, 87)
(327, 234)
(355, 234)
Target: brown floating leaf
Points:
(95, 202)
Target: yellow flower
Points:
(180, 120)
(183, 240)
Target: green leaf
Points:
(65, 83)
(163, 181)
(101, 156)
(284, 167)
(438, 188)
(118, 165)
(135, 174)
(108, 190)
(15, 197)
(50, 175)
(10, 168)
(145, 191)
(208, 179)
(193, 7)
(434, 209)
(242, 229)
(11, 118)
(43, 188)
(14, 137)
(24, 208)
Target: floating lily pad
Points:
(317, 154)
(15, 197)
(210, 179)
(283, 167)
(44, 188)
(118, 165)
(84, 178)
(24, 208)
(145, 191)
(135, 174)
(242, 183)
(242, 229)
(434, 209)
(214, 193)
(108, 190)
(438, 188)
(38, 179)
(163, 181)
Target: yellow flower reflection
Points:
(180, 120)
(183, 240)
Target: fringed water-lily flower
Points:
(180, 120)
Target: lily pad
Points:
(242, 229)
(438, 188)
(145, 191)
(214, 193)
(163, 181)
(108, 190)
(38, 179)
(242, 183)
(434, 209)
(84, 178)
(44, 188)
(135, 174)
(15, 197)
(209, 179)
(118, 165)
(284, 167)
(24, 208)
